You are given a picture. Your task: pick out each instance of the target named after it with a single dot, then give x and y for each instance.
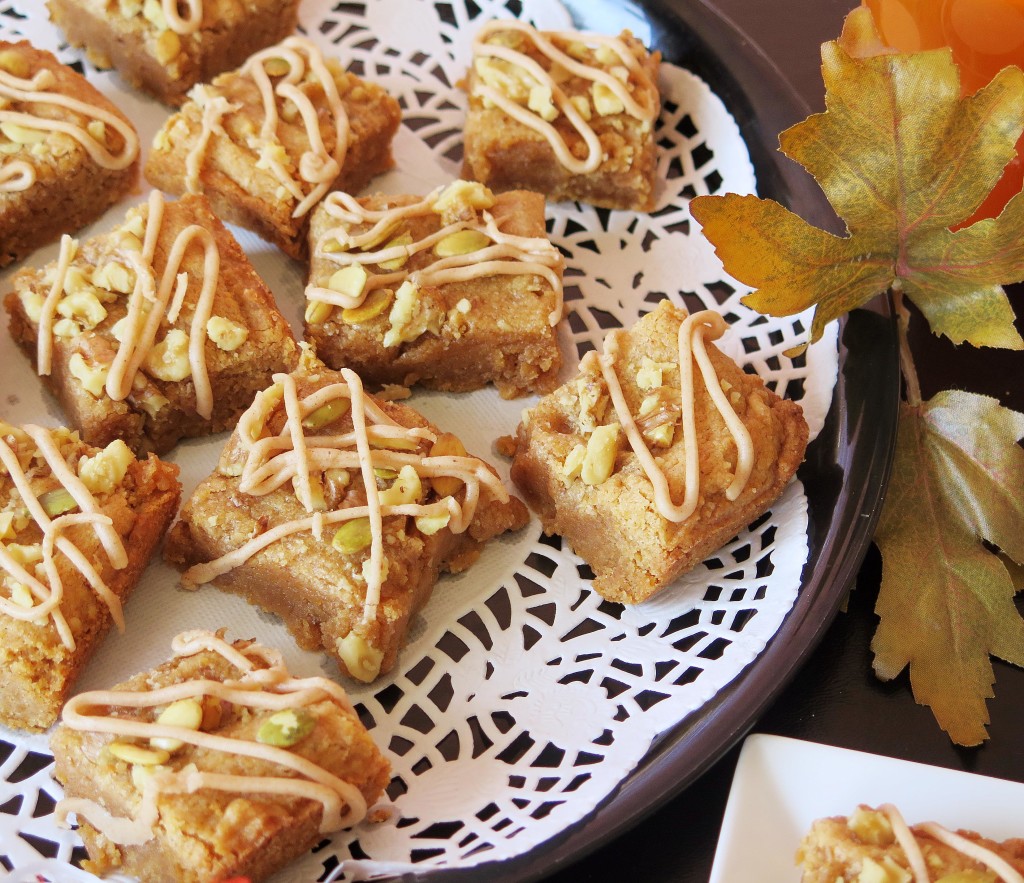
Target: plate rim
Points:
(860, 430)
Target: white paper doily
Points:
(522, 699)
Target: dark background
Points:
(835, 699)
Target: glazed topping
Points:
(151, 301)
(915, 856)
(693, 331)
(263, 685)
(27, 117)
(280, 73)
(510, 77)
(467, 245)
(30, 572)
(374, 446)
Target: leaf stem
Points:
(913, 386)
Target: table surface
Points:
(835, 699)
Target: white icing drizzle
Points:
(693, 331)
(49, 597)
(291, 455)
(178, 24)
(215, 108)
(270, 688)
(915, 856)
(317, 168)
(148, 305)
(508, 255)
(21, 175)
(646, 112)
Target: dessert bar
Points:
(567, 114)
(156, 331)
(657, 453)
(66, 153)
(77, 527)
(268, 141)
(337, 511)
(454, 290)
(165, 47)
(218, 764)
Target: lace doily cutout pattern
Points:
(522, 699)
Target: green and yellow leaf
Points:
(946, 600)
(903, 159)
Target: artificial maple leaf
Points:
(946, 600)
(902, 158)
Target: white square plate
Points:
(782, 785)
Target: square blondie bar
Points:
(567, 114)
(337, 512)
(77, 527)
(157, 331)
(453, 291)
(66, 153)
(878, 844)
(164, 47)
(215, 765)
(646, 463)
(268, 141)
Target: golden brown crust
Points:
(214, 835)
(318, 592)
(505, 154)
(615, 526)
(37, 672)
(245, 194)
(235, 376)
(836, 849)
(505, 336)
(231, 31)
(70, 189)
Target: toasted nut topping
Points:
(6, 525)
(399, 262)
(326, 414)
(228, 335)
(57, 502)
(431, 524)
(114, 277)
(213, 711)
(276, 67)
(22, 134)
(574, 461)
(599, 462)
(167, 47)
(105, 470)
(353, 536)
(361, 658)
(283, 729)
(84, 307)
(136, 754)
(872, 827)
(153, 11)
(14, 63)
(462, 195)
(349, 280)
(22, 596)
(185, 713)
(540, 102)
(606, 102)
(407, 488)
(168, 359)
(317, 312)
(582, 105)
(447, 445)
(268, 401)
(377, 301)
(889, 872)
(461, 242)
(92, 377)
